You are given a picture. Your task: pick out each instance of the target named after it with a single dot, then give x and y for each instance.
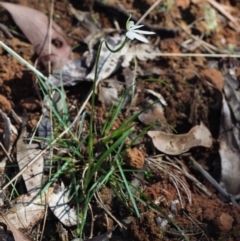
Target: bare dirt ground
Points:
(191, 100)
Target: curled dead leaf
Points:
(173, 144)
(35, 26)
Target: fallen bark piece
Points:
(174, 144)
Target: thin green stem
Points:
(95, 82)
(115, 50)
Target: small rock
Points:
(226, 221)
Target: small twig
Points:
(6, 153)
(195, 181)
(148, 11)
(92, 222)
(44, 220)
(123, 11)
(195, 55)
(223, 192)
(99, 200)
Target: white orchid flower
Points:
(133, 32)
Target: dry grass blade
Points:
(99, 201)
(185, 172)
(159, 164)
(148, 11)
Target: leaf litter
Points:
(176, 73)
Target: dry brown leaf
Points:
(27, 209)
(108, 61)
(158, 95)
(153, 114)
(34, 25)
(72, 72)
(25, 153)
(229, 136)
(142, 51)
(173, 144)
(34, 173)
(18, 236)
(58, 203)
(229, 150)
(108, 96)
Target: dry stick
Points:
(194, 55)
(222, 191)
(178, 192)
(100, 202)
(49, 71)
(92, 221)
(6, 152)
(44, 220)
(184, 171)
(193, 179)
(148, 11)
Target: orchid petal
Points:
(130, 35)
(136, 27)
(133, 35)
(143, 32)
(140, 38)
(133, 32)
